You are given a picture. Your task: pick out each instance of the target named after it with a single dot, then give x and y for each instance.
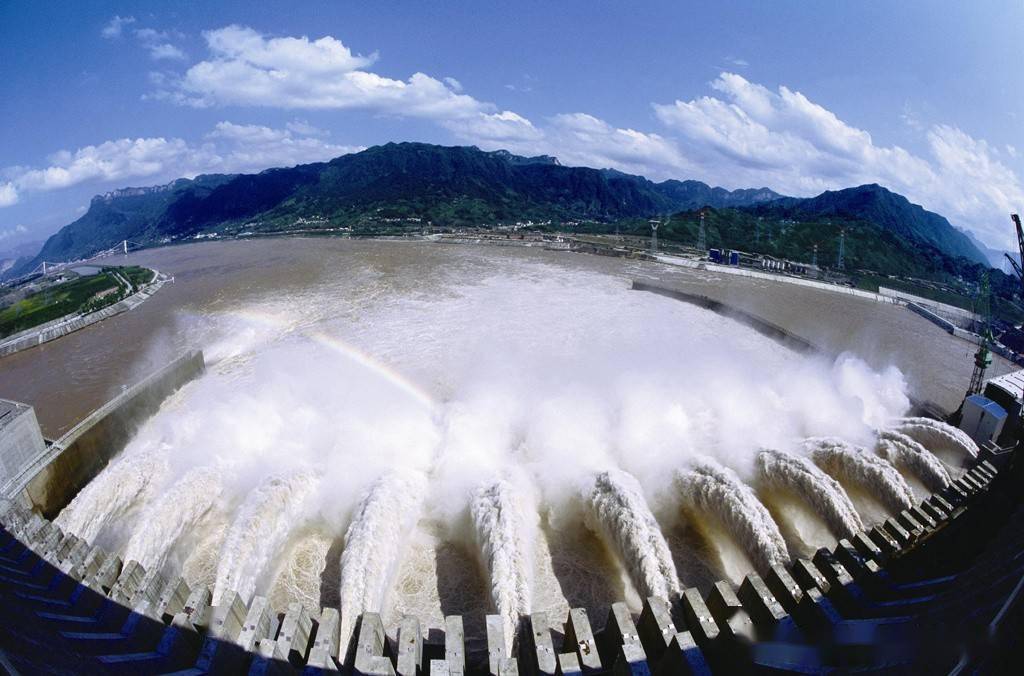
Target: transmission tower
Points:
(654, 237)
(983, 357)
(840, 264)
(814, 256)
(701, 234)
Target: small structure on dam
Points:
(21, 440)
(46, 476)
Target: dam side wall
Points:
(760, 325)
(55, 477)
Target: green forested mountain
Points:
(464, 186)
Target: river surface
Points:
(66, 379)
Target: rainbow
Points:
(339, 346)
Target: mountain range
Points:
(454, 187)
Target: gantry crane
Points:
(1020, 249)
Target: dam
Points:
(502, 466)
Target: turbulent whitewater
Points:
(863, 469)
(375, 541)
(823, 493)
(710, 489)
(259, 531)
(619, 513)
(516, 432)
(909, 455)
(504, 532)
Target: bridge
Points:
(46, 268)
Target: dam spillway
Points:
(301, 513)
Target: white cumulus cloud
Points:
(115, 27)
(7, 233)
(8, 194)
(228, 148)
(246, 67)
(748, 135)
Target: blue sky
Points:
(926, 98)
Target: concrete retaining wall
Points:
(71, 323)
(56, 476)
(758, 324)
(743, 272)
(933, 305)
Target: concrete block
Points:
(228, 617)
(90, 567)
(370, 660)
(816, 613)
(257, 624)
(866, 548)
(941, 503)
(439, 668)
(454, 645)
(683, 658)
(784, 588)
(410, 647)
(936, 513)
(173, 598)
(508, 666)
(292, 643)
(37, 530)
(619, 630)
(922, 518)
(148, 592)
(699, 621)
(980, 476)
(656, 628)
(580, 637)
(983, 473)
(631, 661)
(48, 540)
(69, 542)
(955, 494)
(865, 571)
(733, 621)
(885, 542)
(762, 607)
(325, 647)
(569, 665)
(540, 650)
(127, 583)
(195, 613)
(898, 532)
(497, 648)
(71, 565)
(973, 485)
(910, 524)
(992, 469)
(808, 576)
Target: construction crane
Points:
(1020, 248)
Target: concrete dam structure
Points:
(856, 603)
(659, 489)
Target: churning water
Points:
(491, 433)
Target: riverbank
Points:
(62, 326)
